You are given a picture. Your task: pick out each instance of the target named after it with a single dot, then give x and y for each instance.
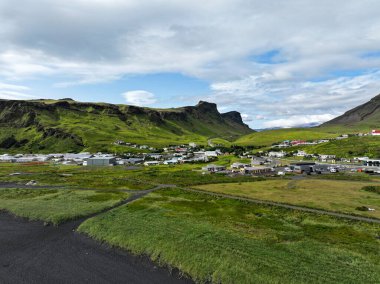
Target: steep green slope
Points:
(362, 118)
(67, 125)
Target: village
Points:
(273, 162)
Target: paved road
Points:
(288, 206)
(33, 253)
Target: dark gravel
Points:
(33, 253)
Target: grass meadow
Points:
(334, 195)
(56, 205)
(229, 241)
(113, 178)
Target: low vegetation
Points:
(371, 188)
(118, 177)
(56, 205)
(334, 195)
(269, 137)
(228, 241)
(368, 146)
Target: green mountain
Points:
(362, 118)
(67, 125)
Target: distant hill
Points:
(364, 117)
(66, 125)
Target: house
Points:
(239, 165)
(133, 161)
(297, 142)
(375, 132)
(256, 170)
(325, 158)
(343, 136)
(304, 167)
(171, 162)
(192, 144)
(372, 163)
(212, 153)
(280, 154)
(258, 161)
(301, 153)
(213, 168)
(100, 161)
(151, 163)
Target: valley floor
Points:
(219, 236)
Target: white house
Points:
(151, 163)
(280, 154)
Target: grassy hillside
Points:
(361, 118)
(351, 147)
(61, 126)
(269, 137)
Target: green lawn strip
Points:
(332, 195)
(230, 241)
(57, 206)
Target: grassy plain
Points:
(229, 241)
(56, 205)
(334, 195)
(115, 178)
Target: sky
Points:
(279, 63)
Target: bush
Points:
(372, 188)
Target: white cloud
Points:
(139, 98)
(14, 92)
(283, 102)
(222, 42)
(298, 120)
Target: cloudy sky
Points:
(280, 63)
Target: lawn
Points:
(230, 241)
(56, 205)
(334, 195)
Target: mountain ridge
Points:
(47, 125)
(364, 116)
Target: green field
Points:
(269, 137)
(228, 241)
(114, 178)
(334, 195)
(367, 146)
(56, 205)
